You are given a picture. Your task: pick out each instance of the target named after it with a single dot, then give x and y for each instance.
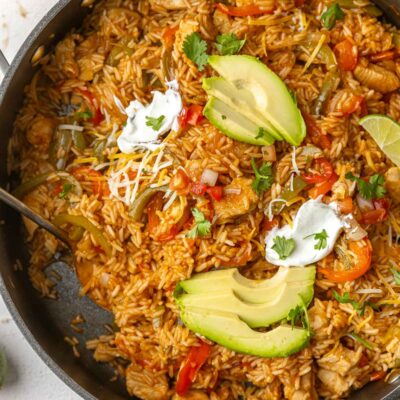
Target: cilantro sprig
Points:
(299, 314)
(202, 227)
(331, 15)
(262, 132)
(229, 44)
(264, 179)
(155, 123)
(67, 187)
(396, 275)
(195, 49)
(84, 115)
(360, 340)
(320, 238)
(373, 189)
(359, 307)
(283, 247)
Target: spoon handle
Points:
(34, 216)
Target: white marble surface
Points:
(28, 377)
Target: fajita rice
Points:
(127, 49)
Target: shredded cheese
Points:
(69, 127)
(364, 322)
(295, 200)
(269, 208)
(314, 53)
(294, 163)
(85, 160)
(369, 291)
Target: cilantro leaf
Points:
(66, 189)
(360, 340)
(195, 49)
(373, 189)
(264, 179)
(396, 275)
(359, 307)
(283, 247)
(155, 123)
(331, 15)
(299, 314)
(229, 44)
(84, 115)
(261, 133)
(320, 237)
(202, 227)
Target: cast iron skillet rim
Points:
(48, 360)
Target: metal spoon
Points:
(82, 269)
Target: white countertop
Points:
(28, 376)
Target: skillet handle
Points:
(3, 63)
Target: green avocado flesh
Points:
(250, 290)
(240, 100)
(255, 315)
(228, 330)
(234, 124)
(248, 81)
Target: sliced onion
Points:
(269, 153)
(365, 205)
(353, 229)
(69, 127)
(232, 191)
(209, 177)
(369, 291)
(310, 151)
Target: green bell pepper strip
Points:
(83, 222)
(27, 187)
(137, 208)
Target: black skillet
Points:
(43, 322)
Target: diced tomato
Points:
(98, 249)
(346, 205)
(326, 169)
(377, 376)
(169, 35)
(180, 182)
(192, 115)
(197, 188)
(240, 260)
(379, 214)
(363, 108)
(299, 3)
(346, 55)
(373, 216)
(97, 115)
(194, 361)
(363, 361)
(267, 225)
(215, 192)
(318, 137)
(57, 189)
(98, 184)
(323, 188)
(384, 55)
(242, 11)
(363, 251)
(351, 105)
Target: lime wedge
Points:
(386, 133)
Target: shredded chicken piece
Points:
(145, 384)
(340, 359)
(41, 132)
(233, 205)
(306, 391)
(392, 183)
(377, 78)
(222, 22)
(66, 58)
(333, 383)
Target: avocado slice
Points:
(251, 290)
(240, 100)
(255, 315)
(271, 95)
(228, 330)
(234, 124)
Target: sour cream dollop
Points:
(137, 133)
(312, 217)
